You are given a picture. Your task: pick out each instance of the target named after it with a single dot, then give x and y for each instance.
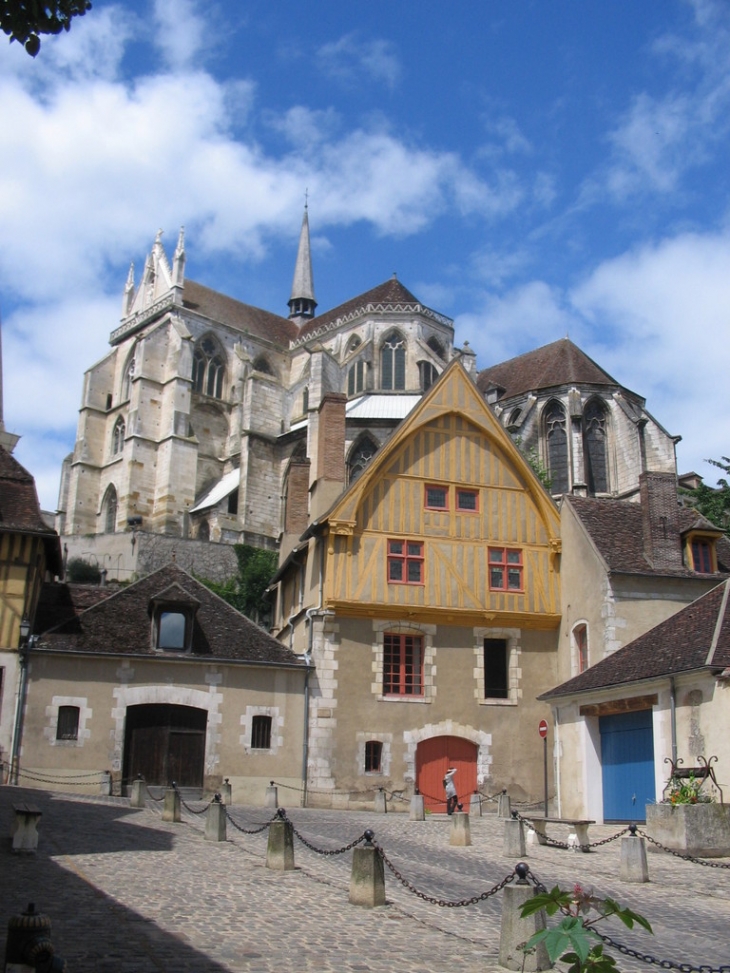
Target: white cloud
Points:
(351, 57)
(180, 31)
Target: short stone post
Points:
(367, 880)
(514, 838)
(516, 930)
(171, 807)
(280, 849)
(139, 793)
(272, 795)
(380, 801)
(460, 830)
(105, 787)
(475, 805)
(215, 820)
(634, 867)
(417, 811)
(226, 795)
(504, 809)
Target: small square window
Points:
(67, 727)
(261, 733)
(467, 500)
(437, 498)
(405, 562)
(373, 756)
(505, 569)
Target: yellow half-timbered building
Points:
(428, 598)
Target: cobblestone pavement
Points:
(129, 893)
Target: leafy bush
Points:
(79, 571)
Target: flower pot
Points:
(694, 829)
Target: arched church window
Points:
(595, 446)
(262, 364)
(118, 436)
(393, 362)
(356, 378)
(208, 368)
(437, 348)
(360, 455)
(556, 440)
(427, 374)
(109, 510)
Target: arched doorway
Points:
(163, 743)
(433, 758)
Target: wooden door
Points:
(433, 758)
(165, 743)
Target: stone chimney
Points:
(329, 475)
(660, 510)
(296, 515)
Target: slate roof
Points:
(697, 637)
(20, 511)
(556, 364)
(121, 624)
(616, 528)
(236, 314)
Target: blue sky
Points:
(532, 168)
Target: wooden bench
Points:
(25, 833)
(704, 771)
(578, 825)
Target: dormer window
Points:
(700, 553)
(173, 619)
(171, 630)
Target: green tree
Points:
(713, 502)
(246, 589)
(79, 571)
(24, 20)
(536, 464)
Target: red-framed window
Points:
(505, 569)
(467, 501)
(402, 665)
(702, 556)
(405, 562)
(437, 497)
(373, 756)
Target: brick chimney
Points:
(329, 476)
(296, 514)
(660, 510)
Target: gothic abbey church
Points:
(211, 420)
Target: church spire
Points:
(302, 301)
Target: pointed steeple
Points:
(302, 301)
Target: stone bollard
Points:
(105, 787)
(280, 849)
(139, 793)
(171, 808)
(418, 811)
(504, 809)
(226, 795)
(367, 881)
(215, 820)
(516, 930)
(272, 795)
(634, 867)
(28, 945)
(381, 806)
(460, 831)
(475, 805)
(514, 838)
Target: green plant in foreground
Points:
(573, 940)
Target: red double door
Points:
(433, 758)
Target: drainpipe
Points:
(23, 648)
(557, 762)
(673, 712)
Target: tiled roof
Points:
(62, 602)
(617, 530)
(556, 364)
(242, 317)
(20, 510)
(121, 624)
(696, 637)
(391, 292)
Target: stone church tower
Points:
(213, 420)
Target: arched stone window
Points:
(109, 510)
(556, 446)
(208, 368)
(118, 436)
(437, 348)
(580, 642)
(360, 455)
(356, 377)
(262, 364)
(393, 362)
(427, 374)
(595, 446)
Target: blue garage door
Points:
(627, 757)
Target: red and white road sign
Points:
(543, 728)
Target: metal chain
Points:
(444, 903)
(61, 780)
(665, 964)
(564, 844)
(191, 809)
(239, 827)
(677, 854)
(325, 851)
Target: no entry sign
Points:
(543, 728)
